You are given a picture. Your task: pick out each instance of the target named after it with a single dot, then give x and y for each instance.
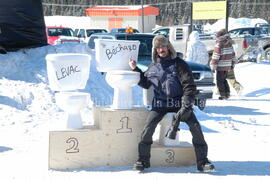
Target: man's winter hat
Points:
(160, 41)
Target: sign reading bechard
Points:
(115, 54)
(111, 51)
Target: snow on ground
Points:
(236, 130)
(65, 21)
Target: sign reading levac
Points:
(115, 54)
(209, 10)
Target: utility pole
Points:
(191, 18)
(227, 15)
(142, 2)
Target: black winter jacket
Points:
(172, 81)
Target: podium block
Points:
(112, 141)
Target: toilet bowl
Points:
(72, 103)
(122, 82)
(112, 57)
(68, 72)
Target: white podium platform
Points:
(112, 141)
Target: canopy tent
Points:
(21, 24)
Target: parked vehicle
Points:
(247, 31)
(202, 74)
(59, 35)
(246, 42)
(178, 36)
(251, 44)
(264, 49)
(123, 30)
(85, 33)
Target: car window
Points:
(106, 37)
(164, 32)
(121, 30)
(89, 32)
(246, 32)
(114, 30)
(257, 32)
(51, 32)
(135, 31)
(66, 32)
(76, 32)
(81, 33)
(232, 32)
(265, 29)
(235, 32)
(60, 32)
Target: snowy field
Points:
(237, 130)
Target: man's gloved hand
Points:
(184, 113)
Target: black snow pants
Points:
(154, 117)
(222, 83)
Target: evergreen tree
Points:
(171, 11)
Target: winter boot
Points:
(141, 165)
(206, 167)
(222, 98)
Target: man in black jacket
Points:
(174, 91)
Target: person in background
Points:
(223, 60)
(174, 91)
(233, 82)
(196, 50)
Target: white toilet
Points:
(112, 57)
(68, 72)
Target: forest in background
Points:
(172, 12)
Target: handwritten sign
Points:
(115, 54)
(119, 49)
(67, 71)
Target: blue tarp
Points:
(21, 24)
